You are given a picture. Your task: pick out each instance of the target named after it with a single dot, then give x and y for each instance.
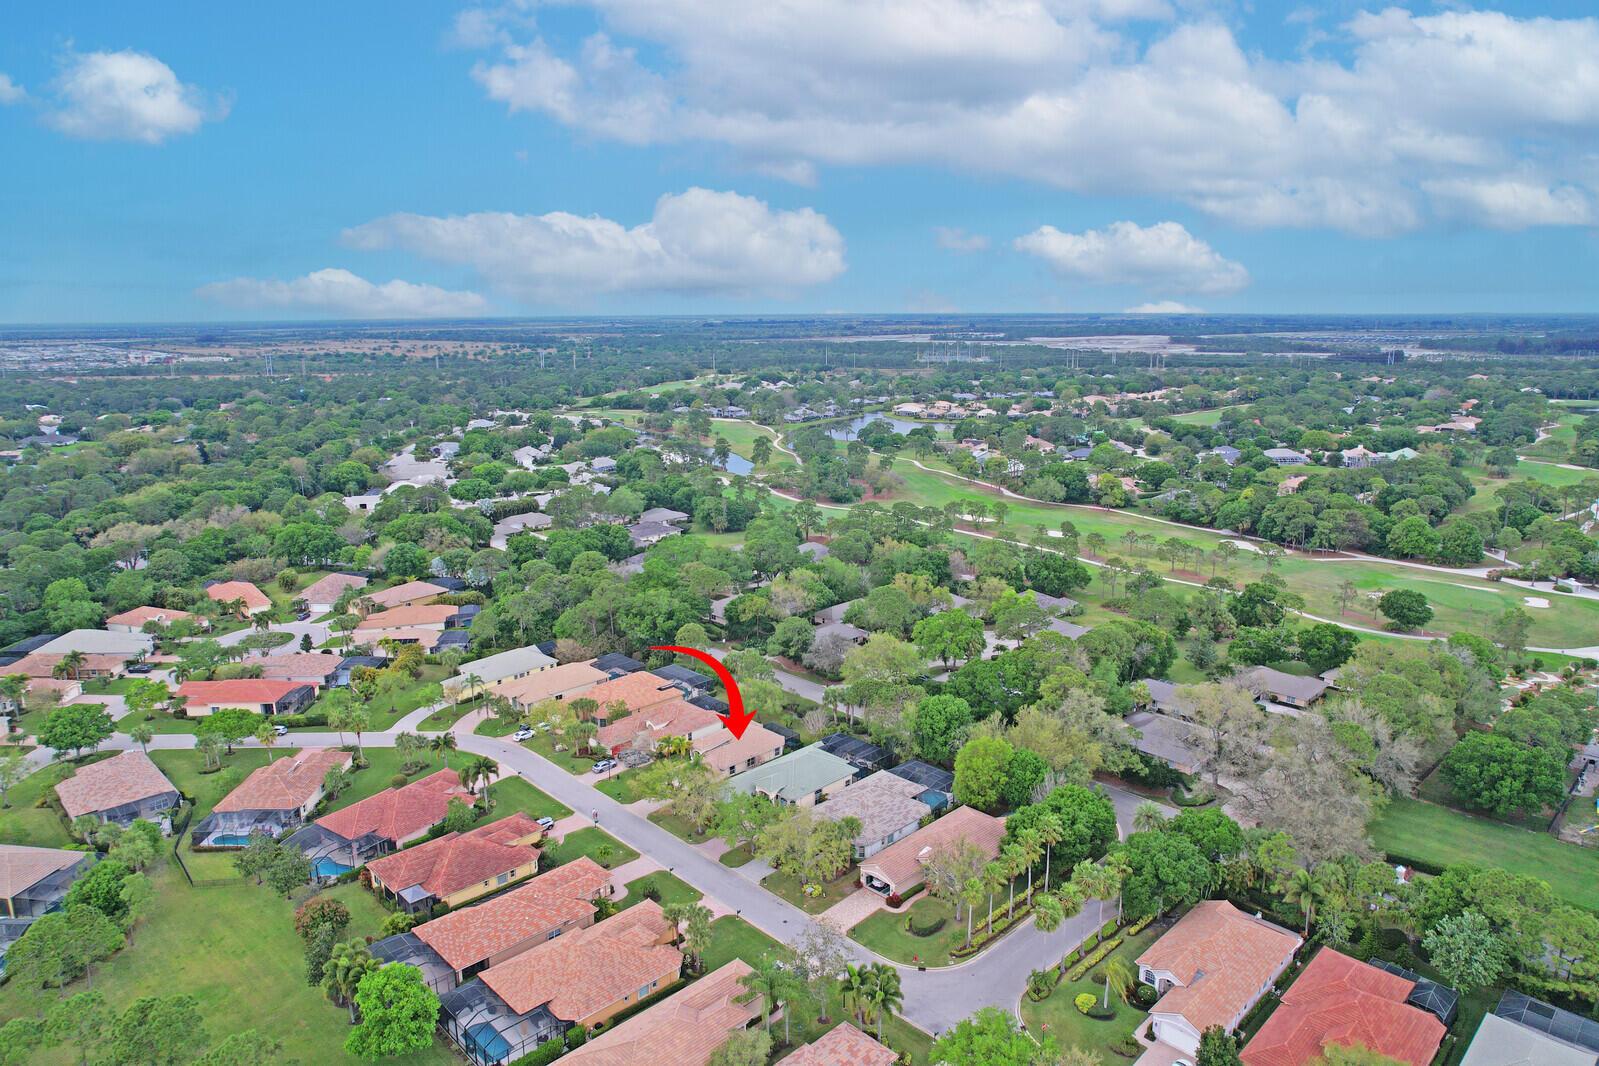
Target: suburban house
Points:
(126, 646)
(417, 616)
(454, 948)
(842, 1045)
(254, 600)
(1226, 453)
(250, 693)
(349, 664)
(563, 682)
(642, 730)
(1173, 741)
(799, 778)
(727, 755)
(691, 682)
(318, 669)
(1210, 969)
(135, 620)
(490, 670)
(640, 691)
(405, 595)
(1286, 457)
(683, 1030)
(457, 868)
(427, 638)
(322, 595)
(273, 799)
(832, 614)
(379, 824)
(663, 514)
(1521, 1031)
(853, 634)
(119, 789)
(1291, 690)
(42, 667)
(897, 869)
(579, 978)
(1340, 1002)
(33, 882)
(644, 534)
(888, 808)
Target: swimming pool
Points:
(489, 1044)
(326, 867)
(228, 840)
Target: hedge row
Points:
(1093, 958)
(1001, 927)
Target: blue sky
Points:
(206, 161)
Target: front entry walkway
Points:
(853, 909)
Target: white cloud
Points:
(127, 96)
(955, 239)
(343, 294)
(1163, 307)
(1512, 204)
(10, 91)
(1061, 92)
(698, 241)
(1162, 256)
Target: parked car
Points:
(522, 734)
(139, 668)
(281, 730)
(546, 823)
(604, 765)
(302, 616)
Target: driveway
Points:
(799, 686)
(318, 632)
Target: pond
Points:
(851, 429)
(738, 465)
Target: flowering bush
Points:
(1084, 1001)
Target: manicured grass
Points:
(787, 886)
(1423, 831)
(384, 763)
(235, 950)
(1069, 1026)
(544, 745)
(443, 718)
(1207, 417)
(515, 794)
(183, 769)
(594, 842)
(385, 707)
(103, 686)
(672, 889)
(497, 727)
(741, 437)
(677, 826)
(620, 787)
(885, 933)
(735, 858)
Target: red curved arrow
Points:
(737, 719)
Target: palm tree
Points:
(775, 984)
(71, 665)
(1051, 831)
(1119, 972)
(358, 723)
(1306, 891)
(1013, 861)
(141, 734)
(480, 770)
(441, 744)
(1031, 846)
(886, 994)
(1147, 816)
(209, 745)
(993, 876)
(673, 746)
(267, 737)
(971, 895)
(857, 990)
(349, 962)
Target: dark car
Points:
(139, 668)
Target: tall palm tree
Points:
(141, 734)
(1306, 891)
(972, 892)
(887, 996)
(480, 771)
(349, 962)
(857, 990)
(442, 744)
(775, 984)
(1120, 973)
(71, 665)
(993, 876)
(1051, 831)
(1032, 849)
(267, 737)
(1013, 862)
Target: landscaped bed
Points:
(1058, 1015)
(924, 934)
(787, 886)
(667, 889)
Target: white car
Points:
(522, 734)
(281, 730)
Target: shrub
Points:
(1127, 1048)
(922, 930)
(1146, 995)
(546, 1052)
(1040, 983)
(894, 899)
(1084, 1002)
(397, 781)
(1093, 959)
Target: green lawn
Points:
(594, 842)
(1070, 1026)
(386, 706)
(787, 886)
(515, 794)
(1208, 417)
(28, 818)
(886, 933)
(103, 686)
(384, 763)
(677, 826)
(235, 950)
(735, 858)
(672, 889)
(443, 718)
(620, 787)
(1423, 831)
(741, 437)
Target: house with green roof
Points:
(801, 778)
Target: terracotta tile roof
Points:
(299, 664)
(563, 896)
(399, 813)
(422, 614)
(411, 590)
(22, 867)
(284, 784)
(425, 639)
(1222, 957)
(675, 718)
(254, 599)
(449, 863)
(125, 778)
(246, 692)
(140, 615)
(638, 691)
(725, 752)
(583, 972)
(901, 862)
(884, 802)
(684, 1029)
(39, 664)
(328, 589)
(843, 1045)
(567, 680)
(1341, 1001)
